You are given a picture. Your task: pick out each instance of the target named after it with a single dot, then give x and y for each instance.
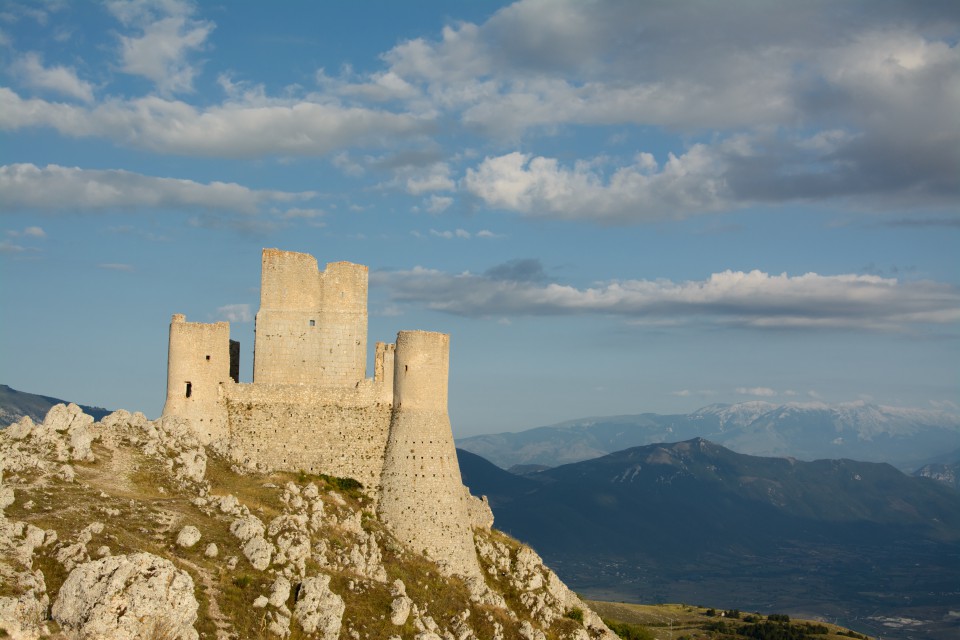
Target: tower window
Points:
(313, 323)
(189, 389)
(208, 357)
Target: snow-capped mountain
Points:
(904, 437)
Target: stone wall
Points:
(331, 430)
(312, 325)
(198, 365)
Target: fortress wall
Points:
(383, 369)
(199, 363)
(422, 495)
(336, 431)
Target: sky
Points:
(613, 207)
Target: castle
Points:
(311, 407)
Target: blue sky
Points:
(613, 207)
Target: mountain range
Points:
(906, 438)
(856, 542)
(16, 404)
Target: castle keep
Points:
(311, 407)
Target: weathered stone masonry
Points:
(311, 407)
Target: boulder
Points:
(127, 597)
(188, 536)
(318, 609)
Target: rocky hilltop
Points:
(130, 528)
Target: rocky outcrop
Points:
(127, 598)
(310, 550)
(319, 610)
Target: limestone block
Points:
(80, 441)
(211, 551)
(63, 417)
(127, 597)
(192, 465)
(318, 609)
(400, 610)
(188, 536)
(258, 552)
(247, 527)
(20, 429)
(23, 614)
(279, 592)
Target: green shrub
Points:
(242, 582)
(575, 614)
(628, 631)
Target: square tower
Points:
(312, 325)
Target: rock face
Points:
(127, 598)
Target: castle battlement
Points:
(311, 407)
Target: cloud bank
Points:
(730, 298)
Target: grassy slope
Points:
(676, 621)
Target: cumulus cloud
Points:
(438, 204)
(55, 188)
(730, 298)
(434, 178)
(539, 186)
(166, 36)
(58, 78)
(836, 102)
(235, 313)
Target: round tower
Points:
(422, 498)
(200, 359)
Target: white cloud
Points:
(60, 79)
(117, 266)
(29, 232)
(877, 89)
(763, 392)
(438, 204)
(167, 35)
(732, 298)
(539, 186)
(434, 178)
(11, 248)
(300, 212)
(56, 188)
(235, 313)
(450, 235)
(288, 127)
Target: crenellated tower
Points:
(312, 325)
(422, 497)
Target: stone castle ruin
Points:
(311, 406)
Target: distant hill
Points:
(16, 404)
(906, 438)
(695, 522)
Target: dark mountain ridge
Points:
(16, 404)
(695, 522)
